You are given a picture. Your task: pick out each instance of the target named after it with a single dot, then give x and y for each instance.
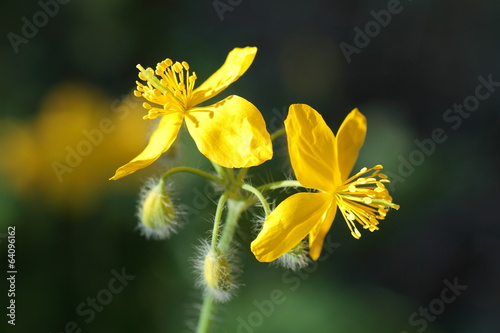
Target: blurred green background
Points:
(75, 230)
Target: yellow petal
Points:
(160, 141)
(289, 224)
(318, 233)
(350, 138)
(311, 146)
(231, 133)
(236, 64)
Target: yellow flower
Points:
(231, 133)
(323, 162)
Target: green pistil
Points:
(153, 79)
(379, 202)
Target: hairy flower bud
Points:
(217, 273)
(295, 259)
(156, 212)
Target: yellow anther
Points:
(177, 67)
(170, 86)
(355, 233)
(365, 199)
(361, 181)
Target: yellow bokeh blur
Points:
(66, 154)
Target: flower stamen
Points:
(365, 199)
(170, 85)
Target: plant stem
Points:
(280, 184)
(242, 174)
(217, 219)
(220, 170)
(277, 134)
(193, 171)
(206, 314)
(234, 209)
(259, 196)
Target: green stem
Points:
(220, 169)
(280, 184)
(193, 171)
(206, 314)
(277, 134)
(217, 219)
(242, 174)
(259, 196)
(234, 210)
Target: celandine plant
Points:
(232, 134)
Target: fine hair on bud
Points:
(295, 259)
(157, 217)
(259, 219)
(217, 273)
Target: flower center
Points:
(364, 199)
(170, 86)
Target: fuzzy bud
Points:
(217, 276)
(295, 259)
(156, 212)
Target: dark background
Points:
(71, 235)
